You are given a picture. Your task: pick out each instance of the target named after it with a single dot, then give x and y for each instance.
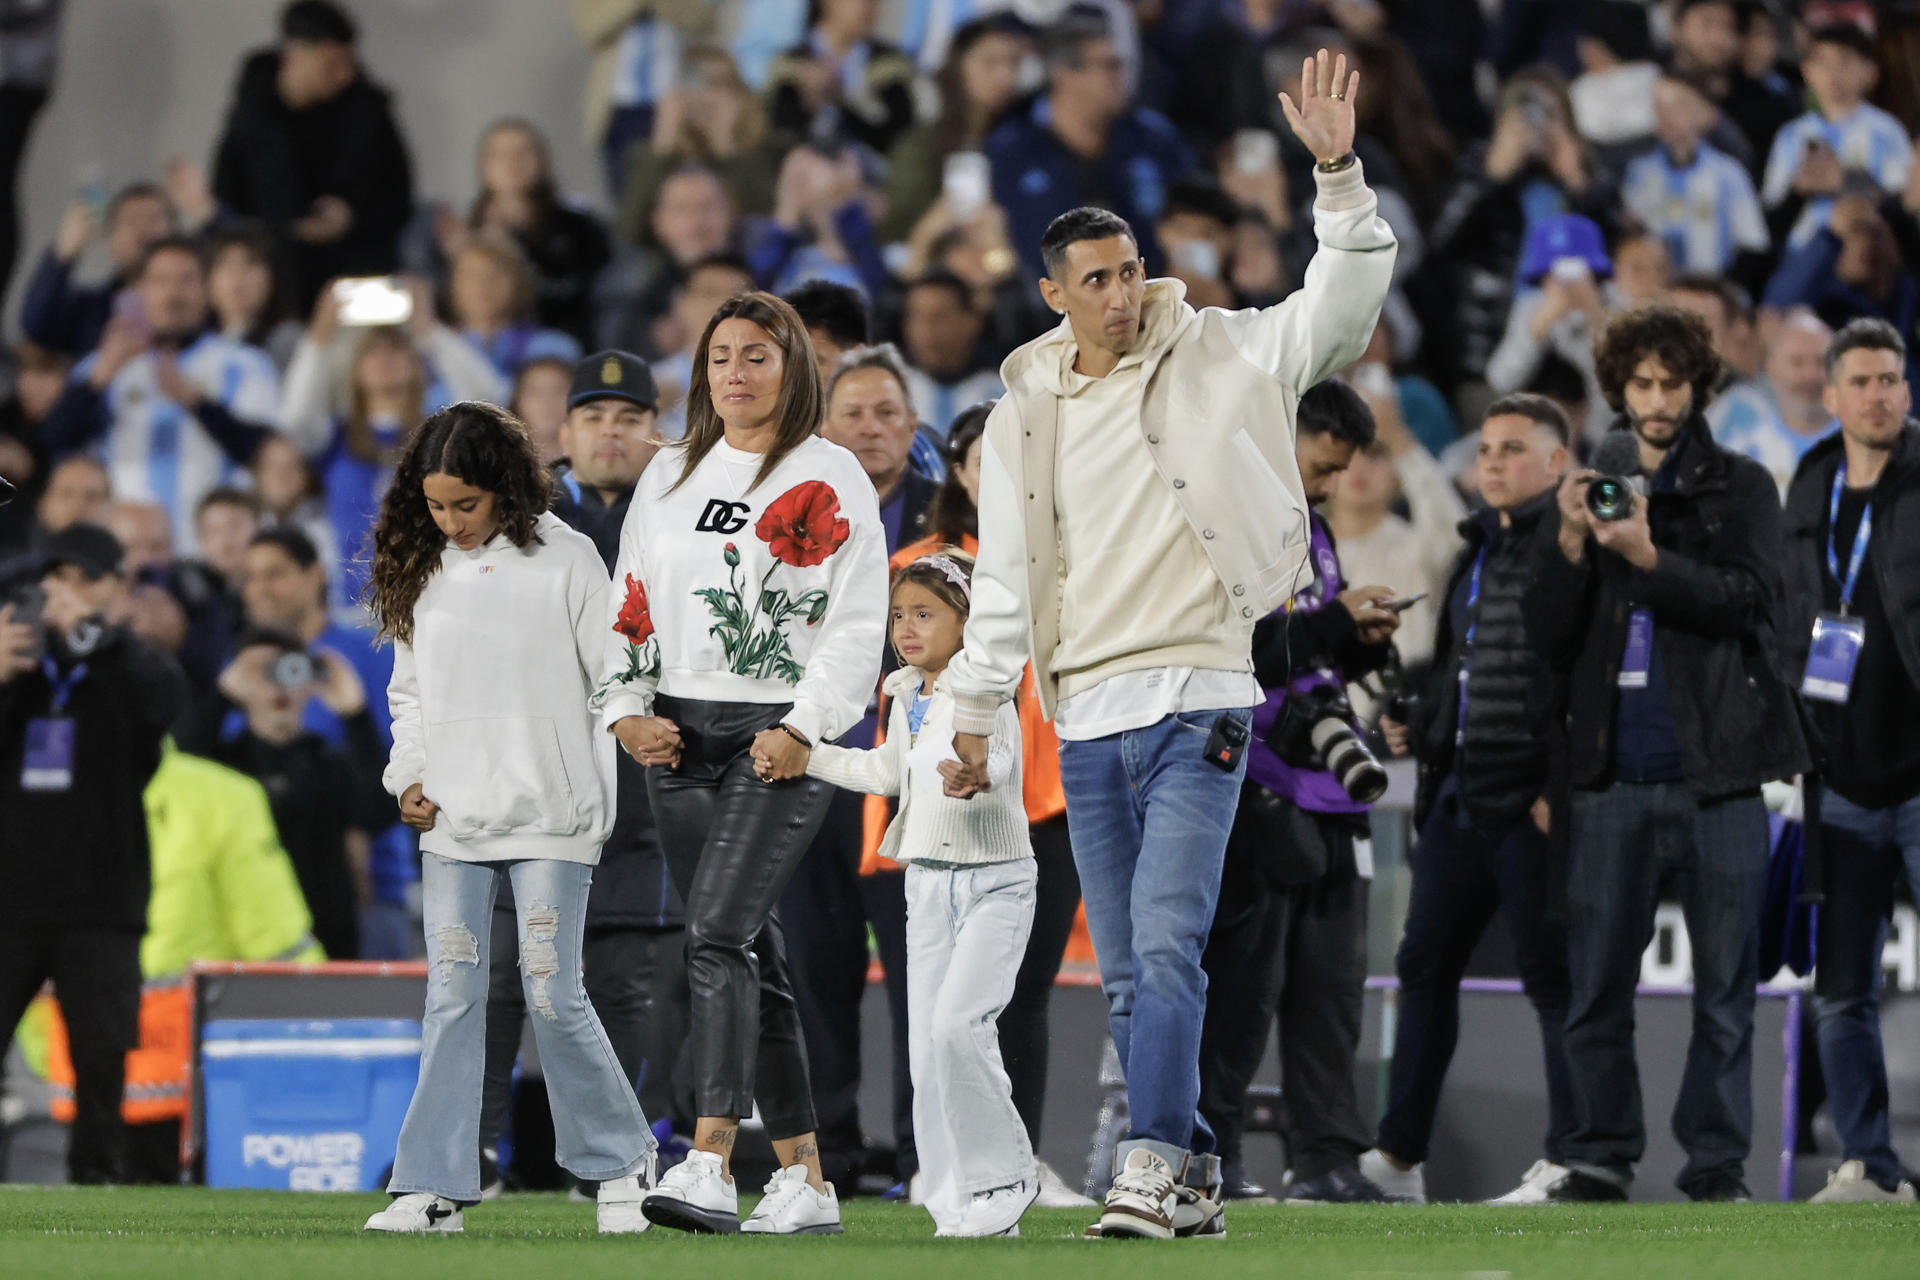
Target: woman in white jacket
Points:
(496, 610)
(971, 879)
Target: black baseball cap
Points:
(613, 375)
(87, 547)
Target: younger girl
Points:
(970, 896)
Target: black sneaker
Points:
(1584, 1188)
(1718, 1188)
(1346, 1185)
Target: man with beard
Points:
(1666, 620)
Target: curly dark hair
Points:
(481, 444)
(1678, 339)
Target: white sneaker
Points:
(1056, 1194)
(791, 1207)
(695, 1195)
(618, 1201)
(1405, 1186)
(1849, 1184)
(997, 1212)
(917, 1189)
(420, 1213)
(1535, 1186)
(1142, 1199)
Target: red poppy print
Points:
(635, 621)
(803, 526)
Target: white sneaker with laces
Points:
(1849, 1184)
(618, 1201)
(1406, 1186)
(1142, 1200)
(418, 1213)
(695, 1195)
(996, 1212)
(791, 1207)
(1540, 1179)
(1056, 1194)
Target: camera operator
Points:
(1478, 730)
(1853, 574)
(1664, 608)
(84, 706)
(1289, 934)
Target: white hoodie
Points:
(489, 702)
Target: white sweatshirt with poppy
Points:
(732, 591)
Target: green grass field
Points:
(141, 1234)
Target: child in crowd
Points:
(970, 899)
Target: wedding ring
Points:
(1338, 97)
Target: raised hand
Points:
(1323, 118)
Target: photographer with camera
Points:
(1289, 934)
(1478, 729)
(1661, 599)
(84, 706)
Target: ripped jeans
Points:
(599, 1131)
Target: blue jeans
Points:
(1865, 849)
(1626, 840)
(1149, 818)
(599, 1131)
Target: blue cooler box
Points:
(299, 1105)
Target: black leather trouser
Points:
(732, 843)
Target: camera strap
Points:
(1860, 537)
(1466, 646)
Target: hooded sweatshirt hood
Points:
(1046, 363)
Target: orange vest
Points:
(159, 1068)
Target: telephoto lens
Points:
(1610, 498)
(1348, 760)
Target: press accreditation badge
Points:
(47, 764)
(1637, 657)
(1833, 657)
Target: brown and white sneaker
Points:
(1141, 1203)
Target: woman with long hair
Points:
(245, 293)
(495, 608)
(709, 117)
(490, 297)
(752, 605)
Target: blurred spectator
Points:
(208, 613)
(635, 46)
(1195, 229)
(1694, 196)
(760, 31)
(1707, 44)
(540, 401)
(1844, 134)
(1083, 144)
(173, 408)
(693, 219)
(710, 117)
(225, 525)
(84, 706)
(1852, 267)
(706, 286)
(1222, 84)
(317, 790)
(491, 296)
(871, 413)
(290, 496)
(838, 321)
(1777, 418)
(1641, 269)
(39, 377)
(519, 198)
(609, 432)
(1613, 95)
(248, 306)
(1401, 127)
(68, 317)
(822, 226)
(26, 77)
(1561, 306)
(78, 490)
(311, 148)
(977, 251)
(843, 83)
(941, 327)
(1417, 404)
(978, 82)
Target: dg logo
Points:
(722, 516)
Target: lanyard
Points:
(1466, 647)
(63, 685)
(1859, 552)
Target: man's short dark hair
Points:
(173, 244)
(1064, 44)
(834, 309)
(228, 496)
(298, 546)
(1542, 411)
(1864, 334)
(1845, 34)
(724, 261)
(1735, 301)
(1085, 223)
(136, 191)
(317, 22)
(1332, 408)
(1676, 337)
(941, 278)
(1202, 199)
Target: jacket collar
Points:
(1046, 363)
(1807, 498)
(1480, 526)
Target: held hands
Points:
(416, 810)
(652, 740)
(967, 776)
(778, 756)
(1323, 118)
(1374, 624)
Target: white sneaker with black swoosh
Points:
(418, 1213)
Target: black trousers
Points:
(18, 107)
(1023, 1023)
(1295, 952)
(732, 843)
(828, 908)
(96, 975)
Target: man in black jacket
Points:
(84, 706)
(1667, 621)
(312, 150)
(1853, 576)
(610, 434)
(1478, 730)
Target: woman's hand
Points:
(416, 810)
(778, 755)
(652, 740)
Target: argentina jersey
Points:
(645, 62)
(1745, 420)
(939, 403)
(1869, 141)
(1706, 211)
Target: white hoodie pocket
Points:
(493, 775)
